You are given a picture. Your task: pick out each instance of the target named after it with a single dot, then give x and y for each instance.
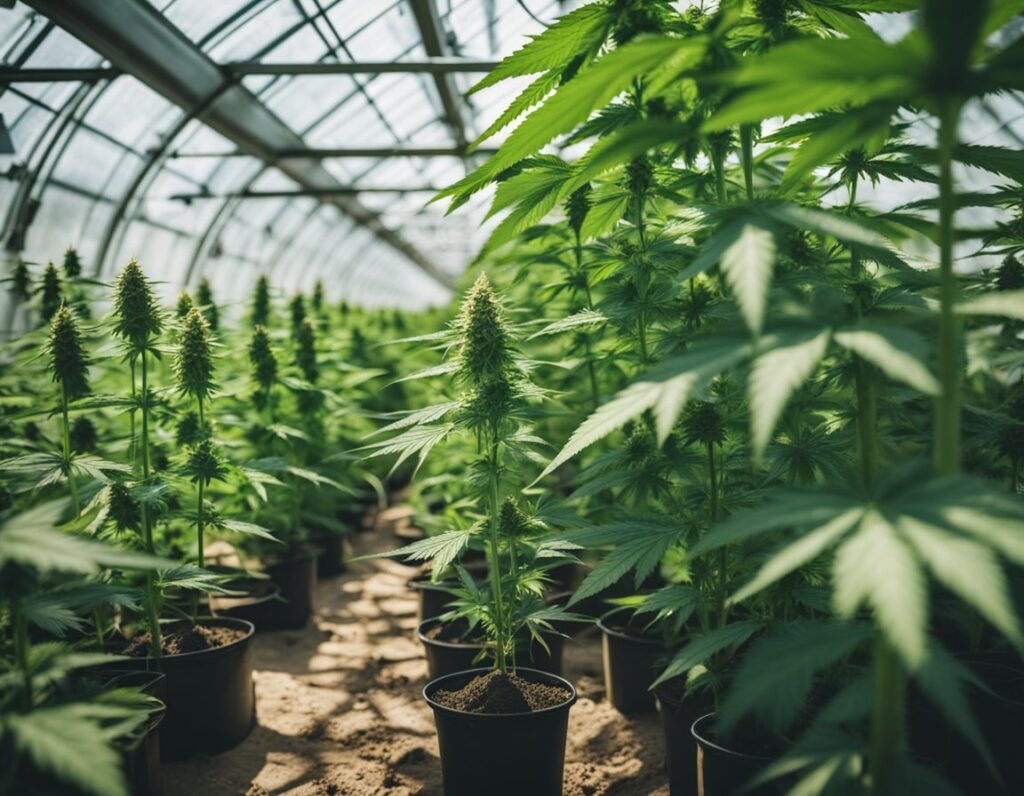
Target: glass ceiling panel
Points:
(119, 142)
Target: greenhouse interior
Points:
(512, 397)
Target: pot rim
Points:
(695, 732)
(230, 621)
(638, 639)
(227, 602)
(435, 685)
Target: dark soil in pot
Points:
(258, 603)
(211, 704)
(631, 657)
(449, 649)
(501, 735)
(678, 713)
(295, 576)
(724, 768)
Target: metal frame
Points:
(432, 32)
(8, 75)
(380, 153)
(435, 66)
(340, 191)
(139, 40)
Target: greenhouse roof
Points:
(297, 138)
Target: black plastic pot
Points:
(211, 701)
(722, 771)
(141, 761)
(630, 661)
(678, 713)
(449, 657)
(517, 754)
(295, 577)
(331, 560)
(260, 603)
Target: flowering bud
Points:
(1009, 274)
(21, 281)
(185, 303)
(204, 298)
(261, 303)
(639, 176)
(702, 422)
(83, 435)
(297, 307)
(188, 431)
(262, 359)
(69, 363)
(124, 509)
(137, 316)
(72, 263)
(205, 463)
(512, 523)
(317, 301)
(305, 351)
(193, 358)
(484, 350)
(50, 299)
(577, 207)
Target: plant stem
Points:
(131, 416)
(21, 647)
(199, 508)
(886, 715)
(947, 404)
(152, 612)
(864, 385)
(66, 434)
(720, 590)
(747, 146)
(500, 628)
(718, 164)
(595, 397)
(642, 281)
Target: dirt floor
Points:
(340, 710)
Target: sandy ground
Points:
(340, 710)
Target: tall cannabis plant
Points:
(69, 367)
(138, 321)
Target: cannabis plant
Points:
(204, 298)
(492, 406)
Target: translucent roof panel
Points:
(242, 149)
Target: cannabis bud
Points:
(124, 509)
(702, 422)
(205, 463)
(261, 303)
(1010, 274)
(204, 298)
(50, 300)
(72, 263)
(83, 435)
(69, 363)
(262, 359)
(297, 307)
(484, 352)
(639, 176)
(318, 296)
(188, 431)
(21, 281)
(193, 358)
(512, 523)
(305, 351)
(137, 316)
(577, 207)
(636, 17)
(185, 303)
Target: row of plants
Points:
(782, 425)
(171, 483)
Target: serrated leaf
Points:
(774, 376)
(702, 647)
(747, 267)
(889, 348)
(586, 317)
(1009, 304)
(874, 566)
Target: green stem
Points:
(864, 385)
(66, 434)
(720, 592)
(97, 620)
(500, 625)
(747, 146)
(887, 716)
(718, 164)
(642, 281)
(152, 608)
(947, 403)
(595, 397)
(200, 507)
(131, 416)
(1015, 476)
(21, 648)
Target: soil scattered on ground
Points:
(190, 639)
(495, 692)
(341, 712)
